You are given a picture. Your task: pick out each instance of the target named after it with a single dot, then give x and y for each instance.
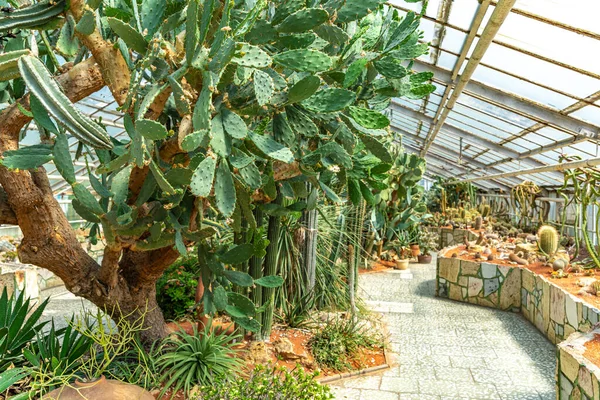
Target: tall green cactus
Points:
(548, 239)
(256, 269)
(270, 269)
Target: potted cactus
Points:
(427, 243)
(404, 256)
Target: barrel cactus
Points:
(548, 239)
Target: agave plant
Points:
(198, 359)
(16, 328)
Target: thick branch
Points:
(143, 267)
(112, 64)
(109, 270)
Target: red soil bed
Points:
(569, 283)
(299, 338)
(592, 350)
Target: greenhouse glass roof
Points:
(533, 94)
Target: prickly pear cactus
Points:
(228, 104)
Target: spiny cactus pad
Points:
(303, 20)
(304, 60)
(224, 189)
(202, 179)
(329, 100)
(369, 118)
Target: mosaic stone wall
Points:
(485, 284)
(452, 237)
(576, 377)
(560, 316)
(554, 311)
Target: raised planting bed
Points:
(557, 307)
(577, 371)
(452, 237)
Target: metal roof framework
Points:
(517, 87)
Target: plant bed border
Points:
(562, 317)
(576, 376)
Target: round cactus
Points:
(548, 239)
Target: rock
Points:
(258, 353)
(285, 349)
(583, 282)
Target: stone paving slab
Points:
(450, 350)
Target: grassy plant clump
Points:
(269, 383)
(198, 359)
(335, 345)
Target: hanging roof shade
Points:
(510, 99)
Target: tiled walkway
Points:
(450, 350)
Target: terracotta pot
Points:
(424, 259)
(415, 250)
(401, 264)
(100, 389)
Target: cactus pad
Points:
(248, 55)
(202, 179)
(303, 89)
(234, 124)
(368, 118)
(304, 60)
(271, 148)
(263, 87)
(224, 190)
(329, 100)
(303, 20)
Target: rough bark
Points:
(125, 283)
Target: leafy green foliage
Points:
(265, 383)
(176, 289)
(198, 359)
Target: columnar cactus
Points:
(548, 239)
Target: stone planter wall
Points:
(452, 237)
(576, 377)
(484, 284)
(560, 316)
(554, 311)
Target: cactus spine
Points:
(478, 223)
(548, 239)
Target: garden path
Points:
(450, 350)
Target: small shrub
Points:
(199, 359)
(138, 365)
(176, 288)
(269, 384)
(338, 342)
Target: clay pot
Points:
(401, 264)
(100, 389)
(414, 248)
(424, 259)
